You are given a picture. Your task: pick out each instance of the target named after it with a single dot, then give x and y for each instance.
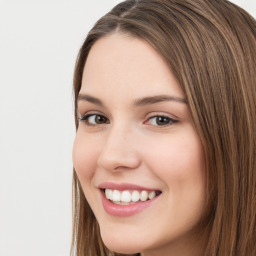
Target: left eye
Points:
(160, 120)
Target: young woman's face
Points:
(136, 142)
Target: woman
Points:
(165, 107)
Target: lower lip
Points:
(124, 210)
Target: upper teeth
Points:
(126, 196)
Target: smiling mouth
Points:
(127, 197)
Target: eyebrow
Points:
(86, 97)
(157, 99)
(138, 102)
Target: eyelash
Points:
(168, 120)
(86, 119)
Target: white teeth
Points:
(135, 196)
(109, 194)
(152, 194)
(143, 195)
(124, 197)
(116, 196)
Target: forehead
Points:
(124, 64)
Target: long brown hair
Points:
(210, 46)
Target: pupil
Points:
(100, 119)
(162, 120)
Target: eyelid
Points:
(89, 113)
(155, 115)
(84, 118)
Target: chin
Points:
(121, 243)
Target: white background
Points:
(39, 41)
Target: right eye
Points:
(94, 119)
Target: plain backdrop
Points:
(39, 41)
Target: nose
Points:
(119, 151)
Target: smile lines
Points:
(126, 197)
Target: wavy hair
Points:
(210, 46)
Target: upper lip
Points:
(124, 186)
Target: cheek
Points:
(179, 163)
(178, 159)
(84, 158)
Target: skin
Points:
(130, 146)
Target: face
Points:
(136, 153)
